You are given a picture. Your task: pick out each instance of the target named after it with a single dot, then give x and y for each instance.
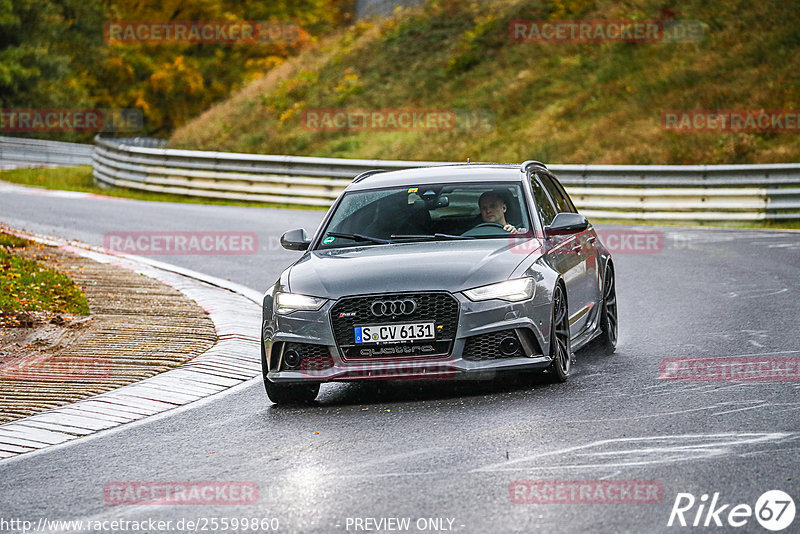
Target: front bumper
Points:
(470, 355)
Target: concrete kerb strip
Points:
(234, 360)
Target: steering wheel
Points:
(485, 229)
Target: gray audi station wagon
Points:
(445, 272)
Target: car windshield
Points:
(427, 213)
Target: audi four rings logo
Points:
(393, 307)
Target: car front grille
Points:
(487, 346)
(440, 307)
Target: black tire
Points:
(291, 393)
(560, 350)
(286, 393)
(606, 342)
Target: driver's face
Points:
(493, 210)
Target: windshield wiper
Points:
(431, 236)
(360, 237)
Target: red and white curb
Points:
(236, 313)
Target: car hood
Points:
(433, 265)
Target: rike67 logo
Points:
(774, 510)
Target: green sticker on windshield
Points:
(328, 240)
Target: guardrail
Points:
(653, 192)
(24, 152)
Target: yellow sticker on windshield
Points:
(413, 190)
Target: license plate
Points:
(393, 333)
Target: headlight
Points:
(511, 290)
(289, 302)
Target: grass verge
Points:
(80, 179)
(30, 286)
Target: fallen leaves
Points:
(30, 286)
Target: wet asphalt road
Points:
(435, 451)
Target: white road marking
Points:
(742, 409)
(646, 451)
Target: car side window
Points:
(564, 193)
(557, 193)
(543, 204)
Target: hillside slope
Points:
(562, 102)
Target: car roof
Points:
(440, 174)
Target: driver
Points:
(493, 210)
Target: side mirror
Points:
(296, 239)
(567, 223)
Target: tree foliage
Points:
(54, 54)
